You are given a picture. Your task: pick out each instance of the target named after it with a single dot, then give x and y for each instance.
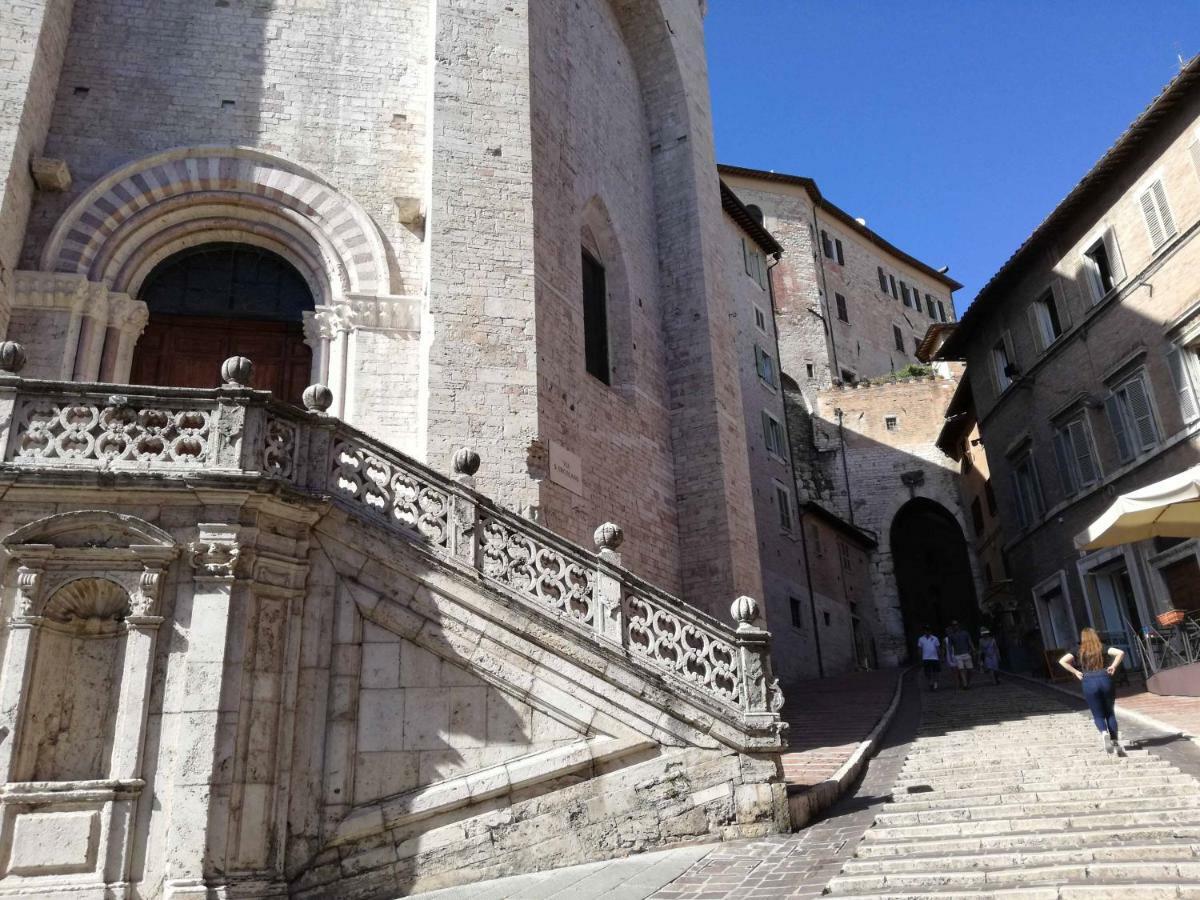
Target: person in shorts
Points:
(931, 657)
(962, 649)
(989, 654)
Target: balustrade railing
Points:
(234, 431)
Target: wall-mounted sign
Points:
(565, 468)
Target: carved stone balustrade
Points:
(235, 432)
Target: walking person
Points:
(989, 654)
(962, 648)
(931, 657)
(1096, 672)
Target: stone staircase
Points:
(1006, 794)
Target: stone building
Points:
(259, 646)
(852, 310)
(1081, 354)
(851, 304)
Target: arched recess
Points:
(128, 221)
(932, 568)
(599, 238)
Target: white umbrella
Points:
(1167, 508)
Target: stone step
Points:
(1181, 851)
(1031, 842)
(917, 803)
(996, 757)
(1041, 824)
(1016, 785)
(984, 766)
(1112, 873)
(1126, 890)
(1190, 801)
(987, 778)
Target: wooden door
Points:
(187, 351)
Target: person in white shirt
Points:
(931, 656)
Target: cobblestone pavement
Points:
(829, 717)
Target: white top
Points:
(930, 646)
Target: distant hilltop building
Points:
(409, 442)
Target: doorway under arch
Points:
(217, 300)
(933, 570)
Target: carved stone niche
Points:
(82, 590)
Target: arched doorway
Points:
(217, 300)
(933, 570)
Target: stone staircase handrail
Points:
(236, 431)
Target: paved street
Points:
(996, 792)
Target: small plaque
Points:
(565, 468)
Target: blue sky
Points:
(952, 127)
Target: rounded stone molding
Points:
(94, 600)
(12, 357)
(609, 536)
(466, 462)
(317, 398)
(744, 611)
(237, 371)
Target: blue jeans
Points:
(1100, 695)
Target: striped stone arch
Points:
(143, 212)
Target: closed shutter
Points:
(840, 256)
(1081, 447)
(768, 437)
(1164, 211)
(746, 258)
(1141, 413)
(1183, 383)
(1120, 432)
(1035, 325)
(1063, 456)
(1022, 512)
(882, 279)
(1114, 256)
(1153, 224)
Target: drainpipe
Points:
(824, 298)
(787, 425)
(845, 466)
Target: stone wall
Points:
(35, 39)
(884, 468)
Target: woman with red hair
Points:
(1096, 672)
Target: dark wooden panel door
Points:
(187, 351)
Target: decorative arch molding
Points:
(142, 212)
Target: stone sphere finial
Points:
(609, 536)
(237, 371)
(317, 398)
(12, 357)
(744, 611)
(465, 462)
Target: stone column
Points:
(608, 612)
(215, 558)
(126, 321)
(18, 665)
(141, 633)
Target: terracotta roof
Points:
(738, 212)
(1110, 166)
(864, 537)
(932, 333)
(842, 216)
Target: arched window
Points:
(235, 280)
(217, 300)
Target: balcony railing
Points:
(237, 432)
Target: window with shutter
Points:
(841, 258)
(826, 244)
(1047, 325)
(1159, 222)
(746, 257)
(1098, 264)
(1116, 419)
(1140, 412)
(1019, 498)
(882, 279)
(1086, 470)
(842, 312)
(941, 311)
(1062, 457)
(764, 365)
(904, 294)
(1182, 379)
(892, 282)
(595, 318)
(898, 337)
(929, 307)
(1001, 365)
(1029, 494)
